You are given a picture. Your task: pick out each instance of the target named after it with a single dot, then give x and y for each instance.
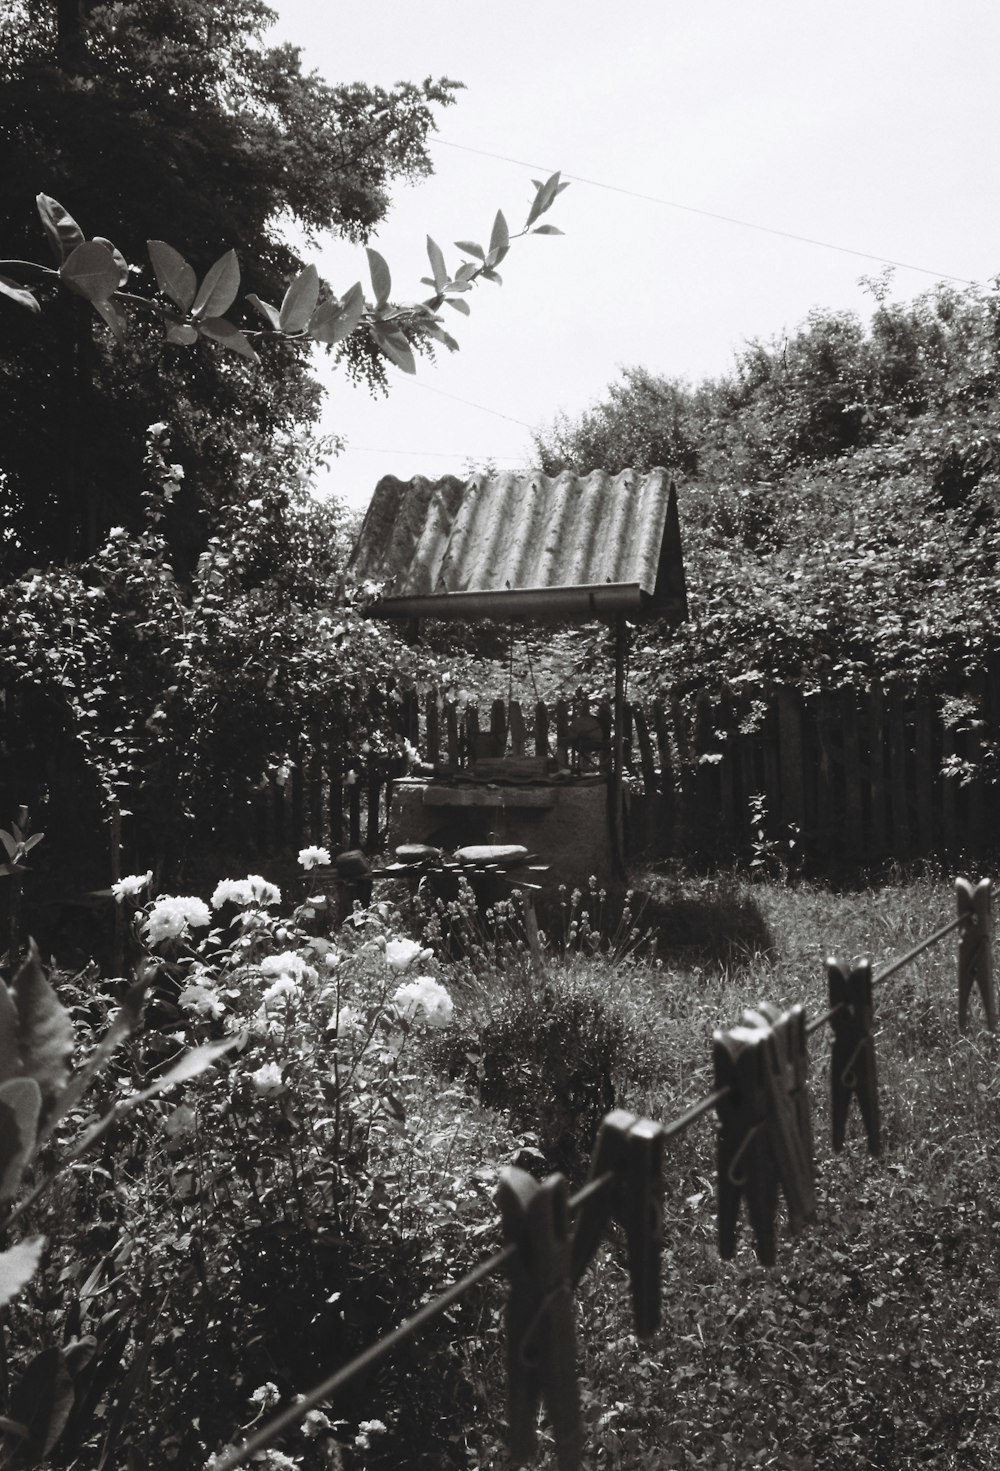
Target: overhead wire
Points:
(711, 214)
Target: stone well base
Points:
(563, 826)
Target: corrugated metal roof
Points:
(488, 546)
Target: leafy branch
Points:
(188, 309)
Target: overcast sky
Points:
(870, 124)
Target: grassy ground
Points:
(872, 1342)
(273, 1225)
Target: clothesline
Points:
(735, 1174)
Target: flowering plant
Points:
(328, 1177)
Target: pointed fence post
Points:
(975, 950)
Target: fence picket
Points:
(498, 728)
(515, 717)
(853, 805)
(923, 772)
(562, 733)
(876, 769)
(451, 734)
(668, 793)
(432, 725)
(791, 776)
(902, 846)
(646, 762)
(541, 729)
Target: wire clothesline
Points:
(491, 1266)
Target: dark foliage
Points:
(153, 120)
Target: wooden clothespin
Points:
(541, 1338)
(852, 1065)
(790, 1119)
(975, 950)
(631, 1149)
(745, 1158)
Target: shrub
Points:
(286, 1211)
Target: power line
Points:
(710, 214)
(440, 454)
(429, 388)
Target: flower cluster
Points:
(314, 857)
(128, 888)
(171, 917)
(201, 996)
(401, 954)
(424, 1000)
(289, 964)
(244, 892)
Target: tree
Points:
(154, 113)
(646, 421)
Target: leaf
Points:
(217, 292)
(395, 346)
(18, 1265)
(175, 278)
(268, 312)
(471, 248)
(9, 841)
(119, 259)
(490, 275)
(112, 316)
(31, 842)
(331, 323)
(90, 271)
(20, 1106)
(300, 301)
(20, 294)
(191, 1065)
(219, 330)
(544, 195)
(129, 1392)
(381, 280)
(41, 1401)
(123, 1023)
(546, 230)
(64, 234)
(499, 240)
(438, 267)
(434, 330)
(181, 332)
(11, 1065)
(458, 305)
(79, 1352)
(45, 1033)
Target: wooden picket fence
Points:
(829, 780)
(826, 782)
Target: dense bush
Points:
(282, 1214)
(174, 700)
(838, 500)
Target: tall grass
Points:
(871, 1343)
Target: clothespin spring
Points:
(741, 1179)
(848, 1076)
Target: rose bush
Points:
(286, 1210)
